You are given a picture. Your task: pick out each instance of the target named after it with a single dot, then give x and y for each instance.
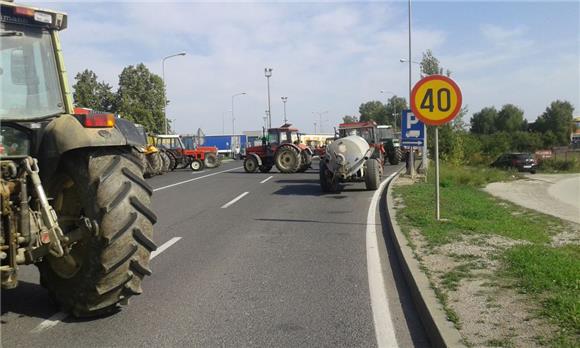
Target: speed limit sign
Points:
(436, 99)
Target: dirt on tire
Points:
(105, 186)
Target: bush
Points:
(559, 165)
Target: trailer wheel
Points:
(196, 165)
(327, 183)
(250, 164)
(372, 174)
(395, 156)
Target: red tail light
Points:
(90, 119)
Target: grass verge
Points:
(547, 275)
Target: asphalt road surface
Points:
(261, 260)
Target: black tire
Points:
(287, 159)
(106, 187)
(327, 184)
(395, 157)
(265, 168)
(155, 165)
(166, 161)
(196, 165)
(250, 164)
(211, 160)
(372, 174)
(144, 164)
(172, 160)
(306, 161)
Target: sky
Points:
(327, 57)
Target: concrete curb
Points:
(441, 331)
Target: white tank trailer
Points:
(349, 159)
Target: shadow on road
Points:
(27, 300)
(307, 221)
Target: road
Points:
(245, 260)
(552, 194)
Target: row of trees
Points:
(139, 97)
(489, 133)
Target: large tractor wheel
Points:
(395, 156)
(155, 163)
(250, 164)
(106, 266)
(327, 182)
(172, 161)
(372, 174)
(211, 160)
(196, 165)
(306, 161)
(166, 161)
(287, 159)
(144, 164)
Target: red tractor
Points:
(282, 148)
(196, 159)
(368, 131)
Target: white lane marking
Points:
(164, 247)
(194, 179)
(60, 316)
(50, 322)
(384, 329)
(268, 178)
(234, 200)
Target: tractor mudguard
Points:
(257, 158)
(66, 133)
(289, 144)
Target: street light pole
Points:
(165, 92)
(284, 100)
(268, 74)
(233, 117)
(411, 167)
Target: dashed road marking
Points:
(60, 316)
(234, 200)
(164, 247)
(194, 179)
(268, 178)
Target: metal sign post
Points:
(436, 100)
(437, 196)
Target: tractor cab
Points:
(284, 135)
(366, 130)
(170, 142)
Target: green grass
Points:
(468, 211)
(551, 275)
(560, 166)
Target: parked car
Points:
(524, 162)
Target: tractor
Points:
(196, 159)
(368, 131)
(280, 147)
(391, 143)
(73, 200)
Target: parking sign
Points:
(412, 130)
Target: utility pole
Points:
(268, 74)
(284, 100)
(411, 166)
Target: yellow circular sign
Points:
(436, 100)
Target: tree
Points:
(394, 108)
(92, 94)
(558, 120)
(484, 121)
(430, 65)
(349, 119)
(510, 119)
(141, 96)
(373, 110)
